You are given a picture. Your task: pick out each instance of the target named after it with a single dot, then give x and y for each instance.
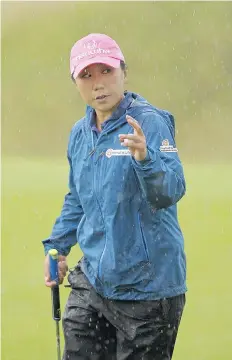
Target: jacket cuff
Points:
(145, 162)
(48, 245)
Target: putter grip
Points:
(53, 263)
(55, 292)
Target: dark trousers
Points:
(101, 329)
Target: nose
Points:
(97, 82)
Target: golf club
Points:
(55, 293)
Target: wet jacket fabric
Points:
(121, 212)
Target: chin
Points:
(106, 107)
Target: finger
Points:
(61, 277)
(61, 258)
(49, 283)
(62, 262)
(132, 144)
(134, 123)
(133, 137)
(46, 270)
(61, 280)
(63, 272)
(63, 266)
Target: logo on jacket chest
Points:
(117, 152)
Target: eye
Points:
(85, 75)
(106, 71)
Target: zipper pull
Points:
(102, 153)
(91, 152)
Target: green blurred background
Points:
(179, 56)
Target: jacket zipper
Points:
(103, 252)
(94, 163)
(143, 239)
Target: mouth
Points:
(101, 97)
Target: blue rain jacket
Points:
(123, 213)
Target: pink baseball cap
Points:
(93, 49)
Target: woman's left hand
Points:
(135, 142)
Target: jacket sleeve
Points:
(160, 174)
(63, 235)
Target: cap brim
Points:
(115, 63)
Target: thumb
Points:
(47, 276)
(61, 258)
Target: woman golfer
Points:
(128, 291)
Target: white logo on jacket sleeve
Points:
(119, 152)
(166, 147)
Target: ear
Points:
(125, 77)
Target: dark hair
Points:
(123, 66)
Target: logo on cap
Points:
(90, 45)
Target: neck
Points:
(101, 116)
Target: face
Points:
(101, 87)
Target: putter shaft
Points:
(58, 340)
